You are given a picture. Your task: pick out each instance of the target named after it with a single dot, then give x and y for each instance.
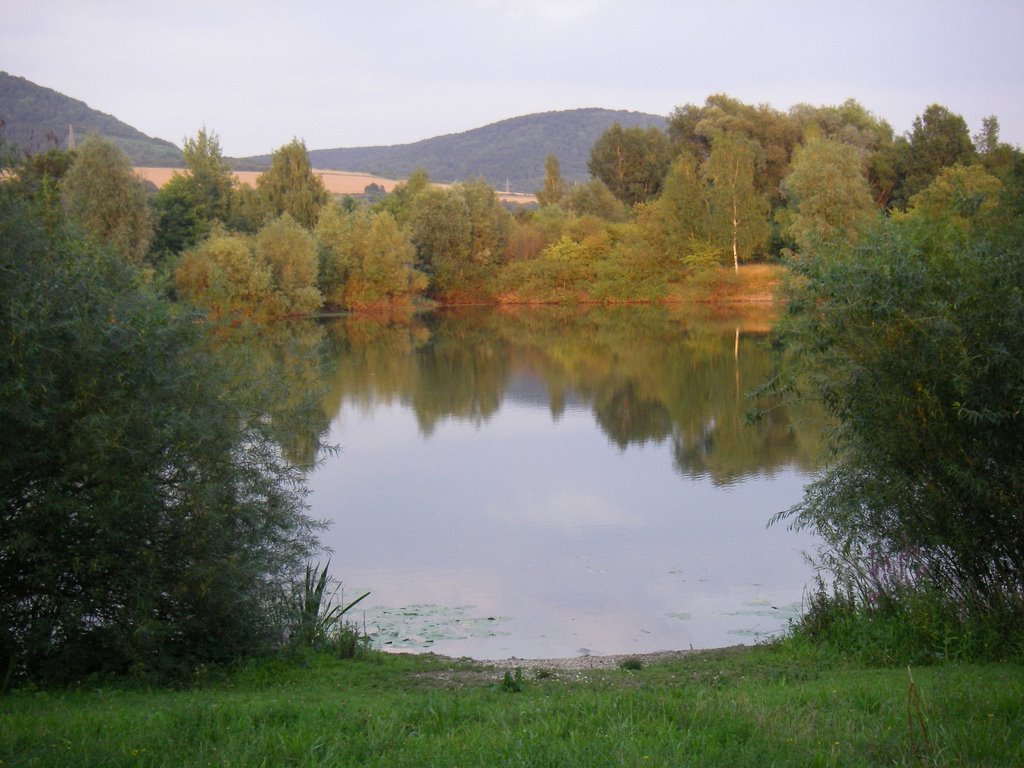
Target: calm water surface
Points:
(553, 483)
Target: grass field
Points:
(764, 706)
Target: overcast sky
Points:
(343, 74)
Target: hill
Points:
(36, 118)
(507, 152)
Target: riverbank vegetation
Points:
(149, 524)
(153, 523)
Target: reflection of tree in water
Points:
(647, 376)
(463, 372)
(627, 417)
(286, 360)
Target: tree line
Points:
(728, 183)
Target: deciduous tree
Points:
(737, 212)
(105, 199)
(830, 201)
(631, 161)
(290, 186)
(555, 187)
(290, 254)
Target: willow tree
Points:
(829, 197)
(737, 212)
(148, 523)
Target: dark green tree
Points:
(593, 198)
(939, 138)
(917, 354)
(147, 521)
(632, 162)
(209, 175)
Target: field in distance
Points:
(336, 182)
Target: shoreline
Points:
(583, 662)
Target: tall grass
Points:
(783, 705)
(889, 609)
(320, 615)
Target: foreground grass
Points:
(766, 706)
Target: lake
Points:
(552, 482)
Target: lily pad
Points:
(420, 626)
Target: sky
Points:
(366, 73)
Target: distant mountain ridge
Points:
(508, 152)
(36, 118)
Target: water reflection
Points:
(646, 376)
(539, 482)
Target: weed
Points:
(632, 663)
(320, 616)
(512, 684)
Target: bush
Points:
(919, 356)
(148, 523)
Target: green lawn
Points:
(764, 706)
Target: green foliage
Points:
(593, 198)
(440, 230)
(319, 615)
(949, 213)
(209, 176)
(147, 520)
(290, 186)
(939, 139)
(676, 225)
(366, 260)
(105, 200)
(852, 124)
(884, 614)
(512, 683)
(460, 235)
(555, 187)
(771, 132)
(561, 273)
(222, 276)
(632, 162)
(737, 212)
(829, 197)
(917, 354)
(289, 252)
(190, 205)
(179, 225)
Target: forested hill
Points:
(511, 151)
(36, 118)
